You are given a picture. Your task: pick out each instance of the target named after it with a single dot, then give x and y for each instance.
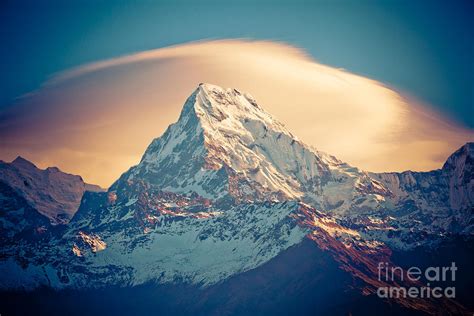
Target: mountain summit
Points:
(220, 139)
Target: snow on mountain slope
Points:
(153, 243)
(205, 251)
(161, 237)
(52, 193)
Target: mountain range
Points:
(228, 212)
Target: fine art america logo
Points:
(416, 278)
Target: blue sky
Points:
(423, 48)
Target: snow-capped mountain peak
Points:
(219, 139)
(224, 143)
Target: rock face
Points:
(459, 168)
(54, 194)
(226, 190)
(440, 200)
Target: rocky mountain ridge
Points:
(53, 193)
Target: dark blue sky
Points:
(423, 48)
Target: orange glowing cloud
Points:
(96, 120)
